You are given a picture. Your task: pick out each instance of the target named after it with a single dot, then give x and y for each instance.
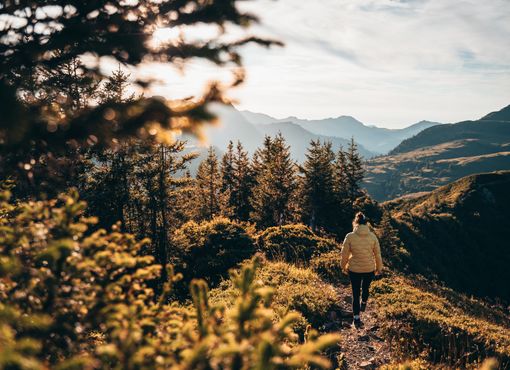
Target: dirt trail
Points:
(362, 348)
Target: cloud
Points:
(387, 62)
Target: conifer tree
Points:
(355, 171)
(243, 185)
(158, 178)
(106, 184)
(228, 176)
(317, 186)
(237, 182)
(273, 198)
(209, 197)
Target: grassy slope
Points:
(412, 317)
(459, 233)
(439, 325)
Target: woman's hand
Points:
(378, 272)
(344, 271)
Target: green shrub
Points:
(327, 266)
(292, 243)
(209, 249)
(76, 299)
(298, 289)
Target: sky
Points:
(390, 63)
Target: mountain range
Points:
(376, 139)
(250, 128)
(233, 126)
(441, 154)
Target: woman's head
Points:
(359, 219)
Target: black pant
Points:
(359, 280)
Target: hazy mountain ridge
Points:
(439, 155)
(233, 126)
(376, 139)
(299, 139)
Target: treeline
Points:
(150, 191)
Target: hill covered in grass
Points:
(441, 154)
(459, 233)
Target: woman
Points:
(361, 259)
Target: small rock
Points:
(366, 365)
(374, 328)
(363, 338)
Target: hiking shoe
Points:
(363, 306)
(357, 323)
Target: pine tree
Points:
(209, 197)
(391, 244)
(243, 185)
(107, 185)
(317, 186)
(273, 198)
(228, 178)
(69, 85)
(115, 88)
(159, 176)
(237, 181)
(355, 171)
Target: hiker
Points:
(361, 260)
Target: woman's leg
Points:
(355, 285)
(365, 286)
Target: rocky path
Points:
(362, 348)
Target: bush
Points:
(75, 299)
(295, 288)
(327, 266)
(209, 249)
(292, 243)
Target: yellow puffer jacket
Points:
(361, 251)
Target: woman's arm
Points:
(377, 255)
(346, 253)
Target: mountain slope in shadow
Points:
(459, 233)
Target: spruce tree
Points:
(317, 186)
(106, 184)
(355, 171)
(237, 181)
(244, 177)
(273, 198)
(159, 176)
(209, 197)
(228, 177)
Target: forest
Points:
(116, 254)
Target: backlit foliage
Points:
(73, 298)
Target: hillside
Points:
(485, 131)
(501, 115)
(439, 155)
(459, 233)
(376, 139)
